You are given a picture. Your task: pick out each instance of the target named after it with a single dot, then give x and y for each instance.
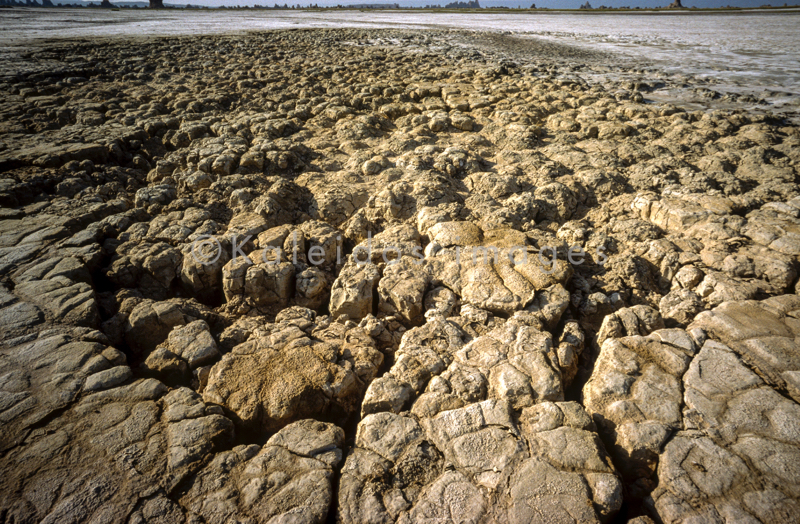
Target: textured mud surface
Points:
(377, 372)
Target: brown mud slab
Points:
(478, 287)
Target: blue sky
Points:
(552, 4)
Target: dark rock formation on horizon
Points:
(587, 5)
(156, 4)
(676, 5)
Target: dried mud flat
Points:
(659, 379)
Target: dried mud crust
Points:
(523, 47)
(659, 379)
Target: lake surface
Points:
(753, 51)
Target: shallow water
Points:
(757, 52)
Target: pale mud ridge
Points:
(140, 385)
